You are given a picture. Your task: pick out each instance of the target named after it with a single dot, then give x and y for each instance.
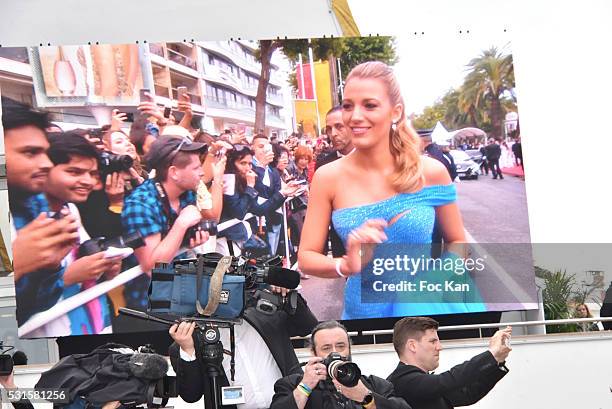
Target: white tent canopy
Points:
(440, 135)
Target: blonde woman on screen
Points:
(385, 191)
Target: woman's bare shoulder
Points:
(435, 172)
(330, 171)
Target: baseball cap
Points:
(165, 148)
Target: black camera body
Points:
(342, 369)
(98, 244)
(209, 226)
(110, 163)
(268, 302)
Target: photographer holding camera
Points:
(264, 353)
(101, 213)
(35, 233)
(321, 385)
(163, 209)
(416, 342)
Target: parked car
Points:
(475, 154)
(467, 168)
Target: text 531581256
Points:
(34, 395)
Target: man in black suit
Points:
(416, 341)
(268, 182)
(343, 145)
(493, 152)
(606, 308)
(263, 349)
(314, 389)
(517, 150)
(431, 149)
(339, 135)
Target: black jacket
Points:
(464, 384)
(337, 247)
(267, 192)
(327, 158)
(275, 330)
(100, 376)
(435, 152)
(606, 308)
(517, 149)
(323, 396)
(493, 152)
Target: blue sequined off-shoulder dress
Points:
(414, 226)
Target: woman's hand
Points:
(251, 177)
(290, 188)
(218, 168)
(114, 188)
(117, 120)
(357, 249)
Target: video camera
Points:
(268, 302)
(6, 361)
(177, 287)
(342, 369)
(98, 244)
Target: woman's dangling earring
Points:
(394, 126)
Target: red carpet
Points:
(514, 171)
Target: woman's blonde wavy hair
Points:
(405, 143)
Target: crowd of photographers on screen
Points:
(159, 187)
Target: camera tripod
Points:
(208, 346)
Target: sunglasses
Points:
(241, 147)
(175, 151)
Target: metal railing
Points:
(181, 59)
(157, 50)
(479, 327)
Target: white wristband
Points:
(338, 262)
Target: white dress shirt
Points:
(256, 369)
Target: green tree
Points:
(361, 49)
(351, 51)
(490, 80)
(430, 116)
(557, 294)
(322, 48)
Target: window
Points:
(19, 54)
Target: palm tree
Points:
(490, 79)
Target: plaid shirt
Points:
(143, 211)
(36, 291)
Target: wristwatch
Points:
(367, 400)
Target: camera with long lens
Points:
(110, 163)
(342, 370)
(98, 244)
(6, 361)
(209, 226)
